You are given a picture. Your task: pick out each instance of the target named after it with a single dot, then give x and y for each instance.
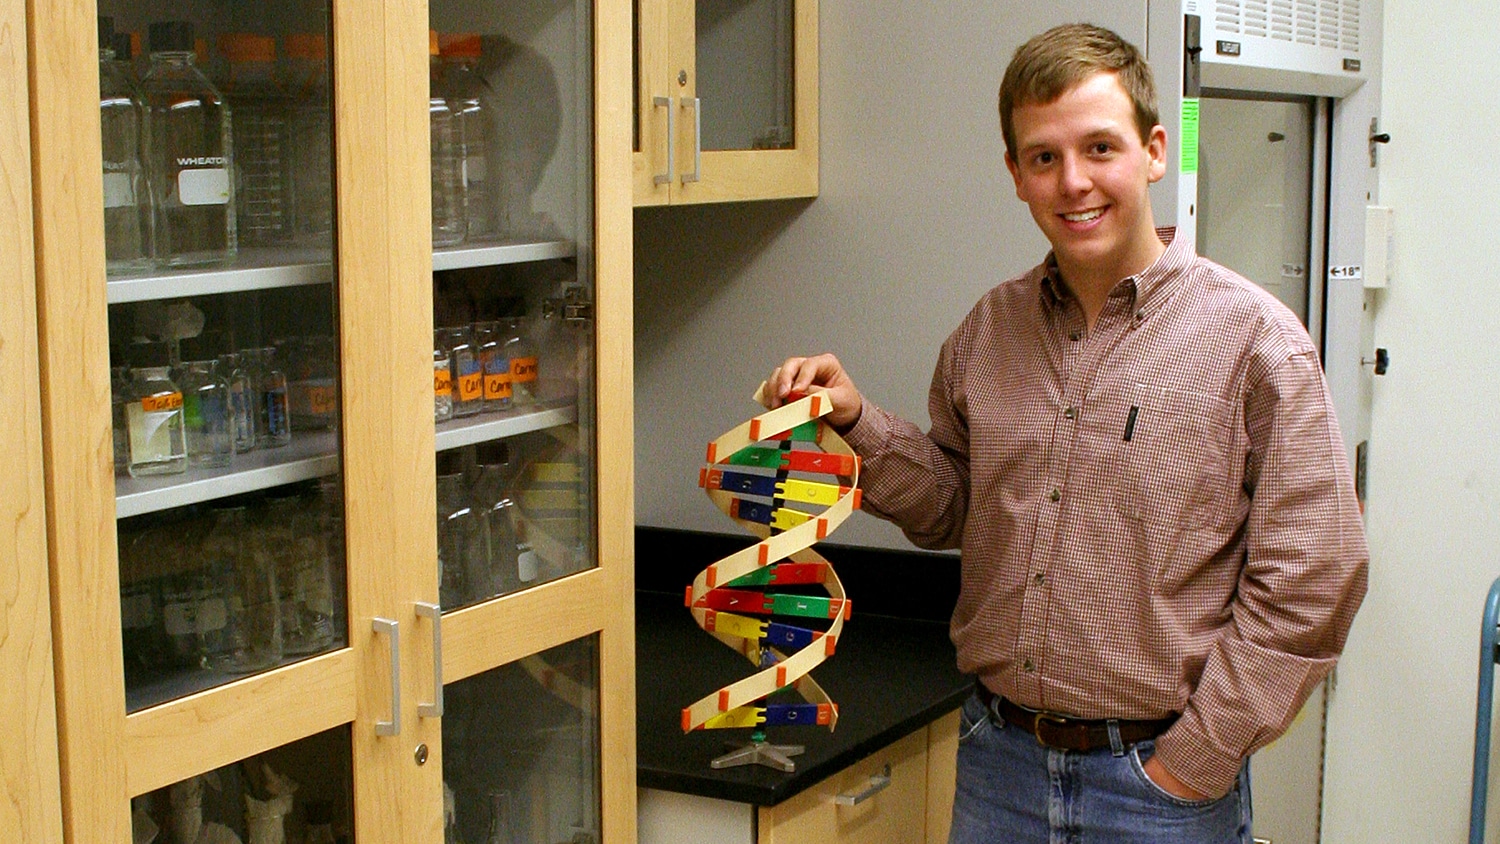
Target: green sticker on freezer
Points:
(1189, 136)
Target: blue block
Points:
(787, 637)
(791, 714)
(763, 485)
(752, 511)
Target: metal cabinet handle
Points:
(393, 726)
(666, 177)
(697, 107)
(878, 783)
(434, 612)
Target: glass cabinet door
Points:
(726, 100)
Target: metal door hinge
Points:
(574, 307)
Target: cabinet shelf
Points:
(255, 269)
(267, 268)
(310, 455)
(554, 407)
(488, 254)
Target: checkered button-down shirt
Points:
(1156, 515)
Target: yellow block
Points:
(785, 519)
(809, 492)
(738, 625)
(744, 716)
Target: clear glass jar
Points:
(496, 508)
(242, 402)
(262, 140)
(206, 415)
(314, 390)
(471, 101)
(491, 342)
(448, 194)
(442, 379)
(119, 390)
(154, 418)
(237, 557)
(459, 541)
(189, 155)
(312, 145)
(468, 378)
(127, 200)
(311, 627)
(273, 424)
(521, 355)
(195, 612)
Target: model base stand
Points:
(788, 478)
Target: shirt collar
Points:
(1151, 287)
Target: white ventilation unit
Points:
(1319, 47)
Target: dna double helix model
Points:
(790, 479)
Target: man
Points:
(1135, 450)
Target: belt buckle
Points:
(1050, 718)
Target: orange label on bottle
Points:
(163, 402)
(497, 386)
(523, 369)
(322, 399)
(442, 382)
(470, 387)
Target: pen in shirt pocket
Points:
(1130, 422)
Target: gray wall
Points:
(917, 217)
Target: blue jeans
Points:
(1011, 789)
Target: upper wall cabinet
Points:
(726, 100)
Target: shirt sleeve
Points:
(918, 481)
(1304, 576)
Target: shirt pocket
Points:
(1175, 450)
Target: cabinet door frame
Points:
(28, 768)
(667, 30)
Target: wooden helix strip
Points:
(784, 654)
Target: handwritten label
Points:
(442, 382)
(470, 387)
(497, 386)
(161, 402)
(523, 370)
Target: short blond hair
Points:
(1049, 65)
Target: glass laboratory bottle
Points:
(468, 378)
(312, 585)
(491, 343)
(237, 558)
(521, 355)
(127, 202)
(154, 420)
(206, 415)
(314, 392)
(273, 423)
(442, 379)
(312, 145)
(471, 99)
(262, 161)
(458, 540)
(496, 508)
(448, 228)
(119, 389)
(189, 156)
(241, 401)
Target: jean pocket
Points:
(1138, 767)
(973, 719)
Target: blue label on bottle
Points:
(276, 412)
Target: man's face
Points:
(1081, 167)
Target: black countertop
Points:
(890, 676)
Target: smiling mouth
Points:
(1083, 216)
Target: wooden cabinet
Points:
(726, 100)
(356, 713)
(901, 794)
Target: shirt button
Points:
(1071, 413)
(1055, 495)
(1039, 578)
(1075, 336)
(1028, 666)
(1140, 315)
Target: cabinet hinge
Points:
(574, 307)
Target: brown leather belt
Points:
(1063, 733)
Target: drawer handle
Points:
(392, 629)
(666, 102)
(878, 783)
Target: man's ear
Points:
(1015, 174)
(1156, 150)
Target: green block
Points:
(806, 606)
(766, 458)
(759, 577)
(807, 432)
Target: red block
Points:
(737, 600)
(818, 462)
